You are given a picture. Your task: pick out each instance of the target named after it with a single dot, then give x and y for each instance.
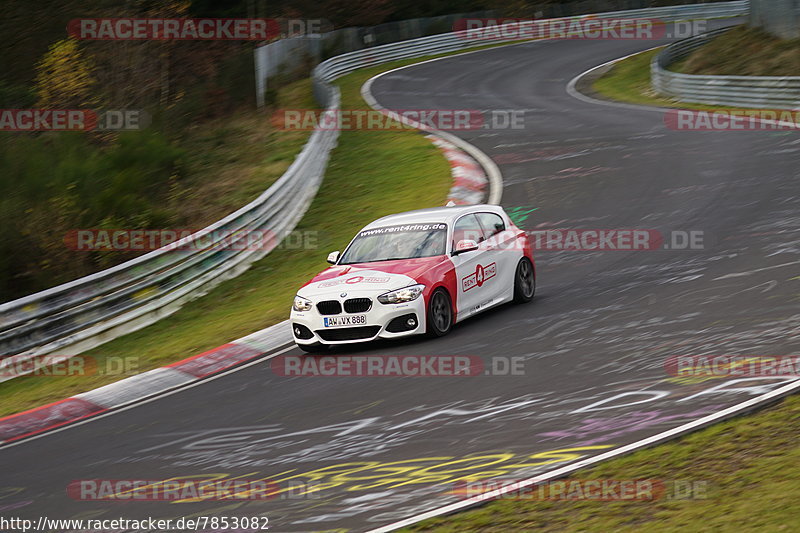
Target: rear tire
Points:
(439, 314)
(524, 281)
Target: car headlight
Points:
(301, 304)
(406, 294)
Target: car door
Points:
(501, 250)
(475, 270)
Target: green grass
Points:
(744, 51)
(629, 81)
(751, 466)
(370, 174)
(759, 55)
(367, 169)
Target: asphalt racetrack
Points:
(590, 349)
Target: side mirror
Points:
(465, 245)
(333, 257)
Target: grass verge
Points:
(750, 466)
(628, 81)
(370, 174)
(744, 51)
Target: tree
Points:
(64, 77)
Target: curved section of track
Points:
(593, 344)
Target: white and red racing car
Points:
(415, 272)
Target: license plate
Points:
(339, 321)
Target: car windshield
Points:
(405, 241)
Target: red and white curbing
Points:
(476, 179)
(469, 178)
(470, 184)
(145, 385)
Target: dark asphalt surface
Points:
(593, 343)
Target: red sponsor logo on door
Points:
(479, 277)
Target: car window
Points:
(491, 223)
(406, 241)
(467, 228)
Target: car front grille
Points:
(357, 305)
(348, 334)
(329, 307)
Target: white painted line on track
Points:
(729, 412)
(628, 448)
(747, 273)
(491, 168)
(572, 91)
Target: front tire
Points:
(524, 281)
(440, 314)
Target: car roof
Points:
(445, 215)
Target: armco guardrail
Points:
(92, 310)
(449, 42)
(743, 91)
(96, 308)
